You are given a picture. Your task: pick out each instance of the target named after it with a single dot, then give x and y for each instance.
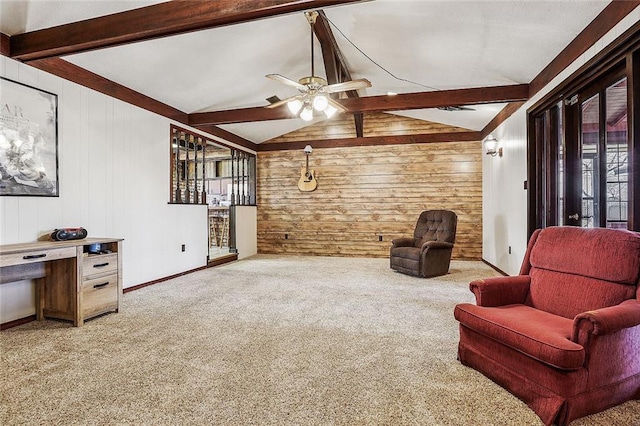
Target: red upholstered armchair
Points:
(564, 335)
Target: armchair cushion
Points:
(569, 295)
(435, 225)
(596, 254)
(410, 253)
(538, 334)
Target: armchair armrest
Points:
(501, 291)
(403, 242)
(606, 320)
(436, 245)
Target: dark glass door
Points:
(596, 158)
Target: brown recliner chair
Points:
(428, 253)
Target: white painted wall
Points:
(246, 231)
(504, 216)
(114, 180)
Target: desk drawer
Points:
(37, 256)
(99, 264)
(99, 295)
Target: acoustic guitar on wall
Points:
(307, 182)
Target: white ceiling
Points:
(435, 44)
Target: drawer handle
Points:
(34, 256)
(100, 265)
(101, 285)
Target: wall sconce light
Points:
(491, 146)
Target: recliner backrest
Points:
(436, 225)
(574, 270)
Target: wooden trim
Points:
(17, 322)
(5, 42)
(495, 268)
(150, 22)
(231, 257)
(159, 280)
(501, 117)
(377, 140)
(420, 100)
(603, 23)
(215, 262)
(633, 127)
(228, 136)
(76, 74)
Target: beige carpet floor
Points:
(266, 341)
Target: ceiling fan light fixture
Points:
(330, 110)
(307, 113)
(320, 102)
(294, 106)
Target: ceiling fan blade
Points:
(283, 102)
(287, 81)
(360, 83)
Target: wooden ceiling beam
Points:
(439, 98)
(4, 44)
(501, 117)
(228, 136)
(83, 77)
(334, 63)
(150, 22)
(603, 23)
(373, 140)
(76, 74)
(240, 115)
(407, 101)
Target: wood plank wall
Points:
(368, 193)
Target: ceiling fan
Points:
(455, 108)
(314, 90)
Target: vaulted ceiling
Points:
(204, 63)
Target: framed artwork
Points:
(28, 140)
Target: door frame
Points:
(623, 56)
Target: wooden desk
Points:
(71, 283)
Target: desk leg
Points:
(40, 282)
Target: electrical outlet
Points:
(184, 247)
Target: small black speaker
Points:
(65, 234)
